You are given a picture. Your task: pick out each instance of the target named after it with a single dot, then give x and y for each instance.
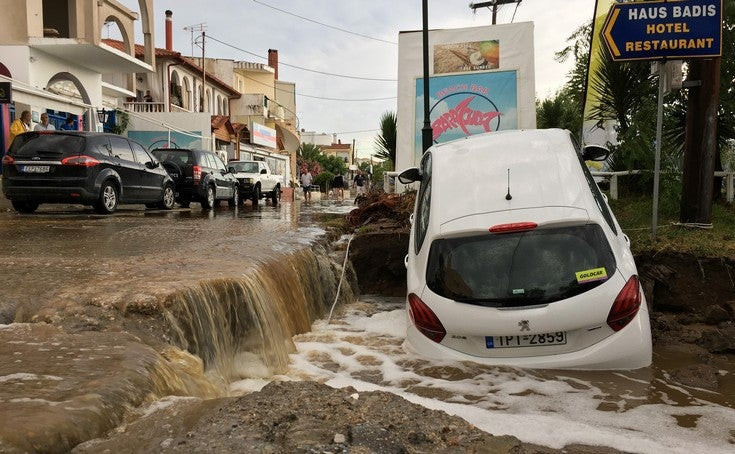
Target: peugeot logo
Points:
(524, 325)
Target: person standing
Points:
(306, 179)
(69, 125)
(338, 185)
(44, 125)
(20, 125)
(359, 181)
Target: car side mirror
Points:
(595, 153)
(151, 164)
(232, 170)
(263, 171)
(409, 176)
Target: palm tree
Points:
(386, 140)
(309, 151)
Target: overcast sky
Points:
(256, 28)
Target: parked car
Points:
(515, 258)
(89, 168)
(256, 180)
(200, 176)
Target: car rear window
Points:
(46, 146)
(520, 269)
(182, 157)
(245, 167)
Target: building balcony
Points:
(100, 58)
(147, 107)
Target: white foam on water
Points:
(162, 404)
(364, 350)
(28, 377)
(247, 386)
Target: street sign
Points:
(664, 30)
(6, 93)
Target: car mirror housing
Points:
(263, 171)
(409, 176)
(595, 153)
(151, 164)
(232, 170)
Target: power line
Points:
(356, 132)
(323, 24)
(301, 67)
(314, 96)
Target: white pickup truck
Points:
(256, 181)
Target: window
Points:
(218, 164)
(601, 204)
(520, 269)
(100, 145)
(424, 203)
(140, 154)
(121, 149)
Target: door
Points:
(151, 178)
(125, 165)
(219, 174)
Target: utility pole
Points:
(700, 142)
(204, 75)
(494, 4)
(427, 134)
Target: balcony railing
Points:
(143, 107)
(175, 108)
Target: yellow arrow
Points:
(607, 29)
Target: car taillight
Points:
(425, 319)
(626, 305)
(81, 160)
(513, 227)
(8, 160)
(197, 174)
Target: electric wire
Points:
(325, 25)
(325, 73)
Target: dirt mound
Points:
(381, 209)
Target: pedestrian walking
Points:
(306, 179)
(20, 125)
(338, 184)
(360, 183)
(44, 125)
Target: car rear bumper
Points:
(629, 348)
(49, 194)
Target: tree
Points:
(561, 111)
(308, 151)
(386, 140)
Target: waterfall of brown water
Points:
(259, 313)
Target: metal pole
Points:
(659, 127)
(495, 13)
(426, 131)
(204, 77)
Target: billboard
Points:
(481, 80)
(465, 104)
(263, 135)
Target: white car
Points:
(516, 259)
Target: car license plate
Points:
(36, 169)
(526, 340)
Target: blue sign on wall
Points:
(664, 29)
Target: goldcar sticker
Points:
(596, 274)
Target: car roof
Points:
(470, 176)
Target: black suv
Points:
(200, 176)
(95, 169)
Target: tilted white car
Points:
(515, 258)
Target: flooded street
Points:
(115, 315)
(638, 411)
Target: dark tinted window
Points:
(99, 145)
(121, 148)
(520, 269)
(181, 157)
(49, 146)
(424, 203)
(245, 167)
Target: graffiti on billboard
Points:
(464, 57)
(467, 104)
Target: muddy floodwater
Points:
(107, 320)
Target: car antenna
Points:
(508, 196)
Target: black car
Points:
(200, 176)
(89, 168)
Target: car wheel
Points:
(107, 202)
(24, 207)
(256, 195)
(169, 198)
(275, 195)
(184, 203)
(208, 202)
(235, 200)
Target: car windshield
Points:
(520, 269)
(46, 145)
(182, 157)
(244, 167)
